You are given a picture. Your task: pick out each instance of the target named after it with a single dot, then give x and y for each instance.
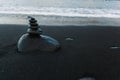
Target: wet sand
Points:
(86, 51)
(54, 20)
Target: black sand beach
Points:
(86, 51)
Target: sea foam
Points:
(65, 12)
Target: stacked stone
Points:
(34, 28)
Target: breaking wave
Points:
(66, 12)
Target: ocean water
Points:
(61, 12)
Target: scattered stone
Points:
(87, 78)
(114, 47)
(69, 39)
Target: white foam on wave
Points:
(60, 16)
(66, 12)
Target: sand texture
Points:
(86, 51)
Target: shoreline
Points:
(62, 21)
